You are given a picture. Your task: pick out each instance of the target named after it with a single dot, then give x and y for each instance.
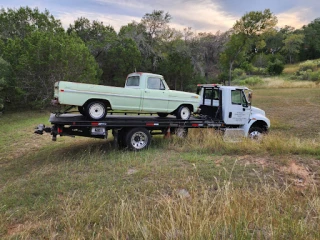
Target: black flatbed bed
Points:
(120, 121)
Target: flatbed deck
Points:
(120, 121)
(130, 131)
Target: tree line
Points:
(36, 51)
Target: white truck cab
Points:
(232, 105)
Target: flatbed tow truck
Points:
(132, 132)
(221, 107)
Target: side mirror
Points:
(250, 97)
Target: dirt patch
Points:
(298, 172)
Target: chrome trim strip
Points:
(130, 96)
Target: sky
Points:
(200, 15)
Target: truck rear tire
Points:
(181, 132)
(96, 110)
(138, 139)
(183, 113)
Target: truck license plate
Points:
(98, 131)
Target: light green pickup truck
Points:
(143, 93)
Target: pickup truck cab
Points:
(143, 93)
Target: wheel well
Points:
(106, 102)
(261, 124)
(187, 105)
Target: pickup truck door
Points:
(155, 96)
(237, 111)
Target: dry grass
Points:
(291, 69)
(278, 82)
(195, 188)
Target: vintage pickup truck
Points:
(143, 93)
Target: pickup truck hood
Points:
(173, 93)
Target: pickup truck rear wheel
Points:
(138, 139)
(183, 113)
(96, 110)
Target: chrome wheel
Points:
(139, 140)
(255, 133)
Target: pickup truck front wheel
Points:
(183, 113)
(96, 110)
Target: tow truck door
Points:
(236, 108)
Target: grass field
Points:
(195, 188)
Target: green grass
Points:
(195, 188)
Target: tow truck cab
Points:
(232, 105)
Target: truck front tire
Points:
(96, 110)
(183, 113)
(255, 133)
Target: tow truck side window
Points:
(211, 94)
(238, 98)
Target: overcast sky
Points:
(200, 15)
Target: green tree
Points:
(123, 58)
(42, 58)
(292, 44)
(23, 21)
(311, 46)
(137, 32)
(246, 32)
(176, 66)
(5, 90)
(156, 25)
(99, 39)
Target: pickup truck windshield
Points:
(133, 81)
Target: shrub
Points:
(275, 68)
(238, 72)
(315, 76)
(259, 71)
(260, 61)
(251, 81)
(308, 65)
(246, 66)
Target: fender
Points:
(257, 119)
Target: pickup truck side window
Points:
(155, 83)
(133, 81)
